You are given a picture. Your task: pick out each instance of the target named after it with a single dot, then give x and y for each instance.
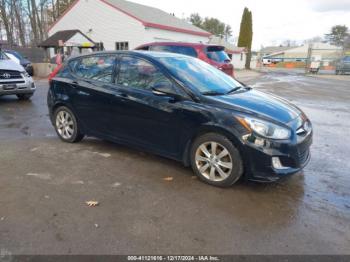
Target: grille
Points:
(303, 156)
(304, 150)
(9, 74)
(11, 82)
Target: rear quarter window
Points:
(64, 71)
(98, 68)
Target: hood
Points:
(259, 103)
(8, 64)
(25, 62)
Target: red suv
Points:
(212, 54)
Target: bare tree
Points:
(27, 21)
(5, 12)
(17, 6)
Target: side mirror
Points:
(165, 89)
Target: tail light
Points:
(227, 68)
(54, 72)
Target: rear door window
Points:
(184, 50)
(98, 68)
(217, 54)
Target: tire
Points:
(24, 96)
(66, 125)
(222, 169)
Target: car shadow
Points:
(8, 100)
(281, 199)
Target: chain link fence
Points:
(312, 61)
(325, 61)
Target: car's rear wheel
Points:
(66, 125)
(215, 160)
(24, 96)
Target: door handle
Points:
(74, 83)
(119, 94)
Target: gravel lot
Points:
(45, 183)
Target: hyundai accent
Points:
(181, 108)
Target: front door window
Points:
(138, 73)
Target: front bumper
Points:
(26, 86)
(292, 156)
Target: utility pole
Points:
(308, 59)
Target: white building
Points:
(121, 24)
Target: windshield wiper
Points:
(212, 93)
(234, 89)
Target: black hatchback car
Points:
(181, 108)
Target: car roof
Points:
(152, 54)
(177, 44)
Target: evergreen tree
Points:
(212, 25)
(246, 34)
(338, 35)
(196, 20)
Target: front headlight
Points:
(25, 74)
(264, 128)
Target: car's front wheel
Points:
(215, 160)
(66, 125)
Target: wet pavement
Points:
(44, 184)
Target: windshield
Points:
(16, 54)
(217, 54)
(200, 76)
(3, 56)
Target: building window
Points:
(241, 56)
(121, 45)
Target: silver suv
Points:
(14, 80)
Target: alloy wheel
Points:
(65, 124)
(213, 161)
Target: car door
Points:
(140, 116)
(91, 91)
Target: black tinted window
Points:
(138, 73)
(185, 50)
(99, 68)
(217, 54)
(146, 48)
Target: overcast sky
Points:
(273, 20)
